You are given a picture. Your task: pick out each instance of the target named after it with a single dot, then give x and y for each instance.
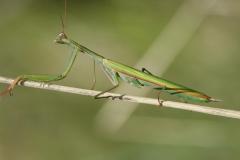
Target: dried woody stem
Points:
(170, 104)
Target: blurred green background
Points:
(38, 124)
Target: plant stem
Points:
(170, 104)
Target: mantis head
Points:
(61, 38)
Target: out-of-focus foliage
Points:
(37, 124)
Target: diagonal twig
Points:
(170, 104)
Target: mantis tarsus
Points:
(115, 72)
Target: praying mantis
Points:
(115, 72)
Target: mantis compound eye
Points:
(60, 38)
(62, 35)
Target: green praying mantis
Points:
(115, 72)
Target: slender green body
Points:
(116, 72)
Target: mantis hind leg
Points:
(159, 100)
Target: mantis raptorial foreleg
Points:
(42, 78)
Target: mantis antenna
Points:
(63, 21)
(63, 18)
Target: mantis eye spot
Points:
(62, 35)
(60, 38)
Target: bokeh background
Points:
(192, 42)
